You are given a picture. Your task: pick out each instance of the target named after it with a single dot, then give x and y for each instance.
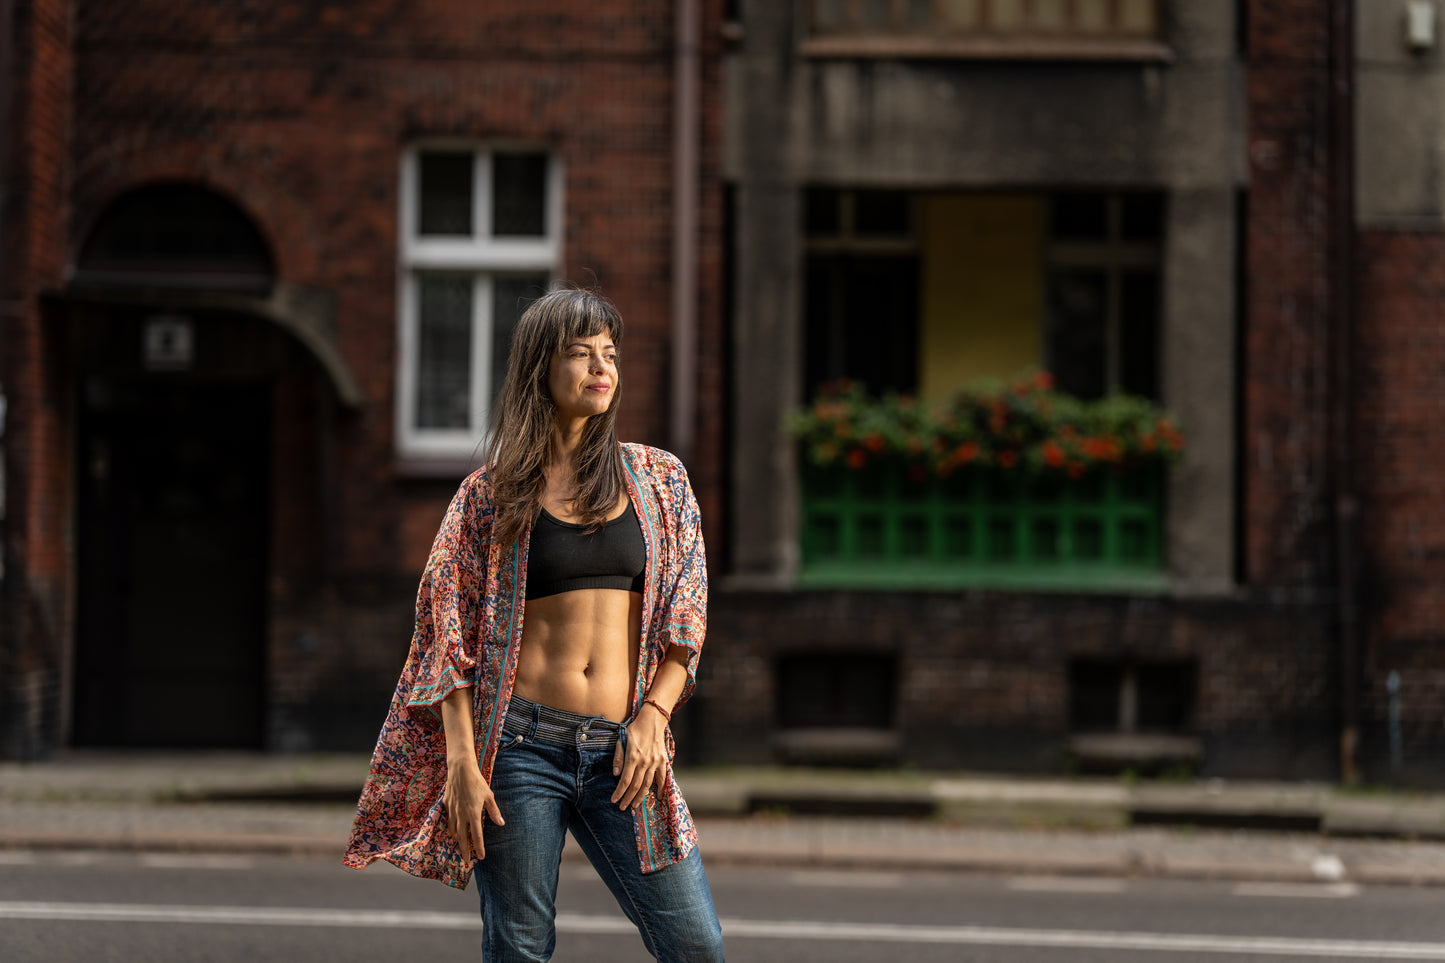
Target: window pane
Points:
(828, 16)
(519, 195)
(875, 13)
(961, 13)
(1008, 15)
(510, 296)
(1141, 216)
(820, 212)
(1079, 216)
(881, 213)
(1076, 338)
(1091, 16)
(1094, 695)
(446, 193)
(1138, 16)
(1051, 16)
(1139, 333)
(444, 351)
(1166, 695)
(862, 321)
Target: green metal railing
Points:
(876, 527)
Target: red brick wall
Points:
(1284, 448)
(1400, 384)
(301, 113)
(33, 629)
(983, 677)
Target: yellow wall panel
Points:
(982, 300)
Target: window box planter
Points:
(982, 527)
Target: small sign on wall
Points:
(168, 343)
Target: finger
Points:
(494, 813)
(457, 826)
(617, 759)
(625, 781)
(476, 828)
(636, 788)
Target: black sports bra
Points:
(562, 558)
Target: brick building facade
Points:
(1292, 335)
(951, 180)
(228, 292)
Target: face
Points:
(583, 378)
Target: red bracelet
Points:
(653, 702)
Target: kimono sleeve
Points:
(447, 637)
(685, 617)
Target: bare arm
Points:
(645, 762)
(467, 796)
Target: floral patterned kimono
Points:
(468, 633)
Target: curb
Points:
(1130, 863)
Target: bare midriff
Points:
(579, 648)
(579, 651)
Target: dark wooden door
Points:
(172, 515)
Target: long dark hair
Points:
(520, 443)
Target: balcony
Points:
(1008, 485)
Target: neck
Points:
(566, 439)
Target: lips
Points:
(600, 388)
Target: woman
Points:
(558, 625)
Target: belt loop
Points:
(622, 737)
(536, 720)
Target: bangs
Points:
(588, 316)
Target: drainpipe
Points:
(685, 116)
(1341, 309)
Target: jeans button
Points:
(582, 737)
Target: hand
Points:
(644, 765)
(469, 801)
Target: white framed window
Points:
(481, 234)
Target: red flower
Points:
(1008, 458)
(843, 430)
(1043, 381)
(874, 442)
(1054, 456)
(857, 458)
(965, 453)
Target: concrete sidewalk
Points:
(250, 802)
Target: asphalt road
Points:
(152, 907)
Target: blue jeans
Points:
(553, 773)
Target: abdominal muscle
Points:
(579, 651)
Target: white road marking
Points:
(196, 861)
(1064, 884)
(744, 929)
(846, 879)
(76, 858)
(1327, 866)
(1298, 890)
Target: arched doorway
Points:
(174, 441)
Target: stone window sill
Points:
(1129, 50)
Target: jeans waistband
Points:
(538, 723)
